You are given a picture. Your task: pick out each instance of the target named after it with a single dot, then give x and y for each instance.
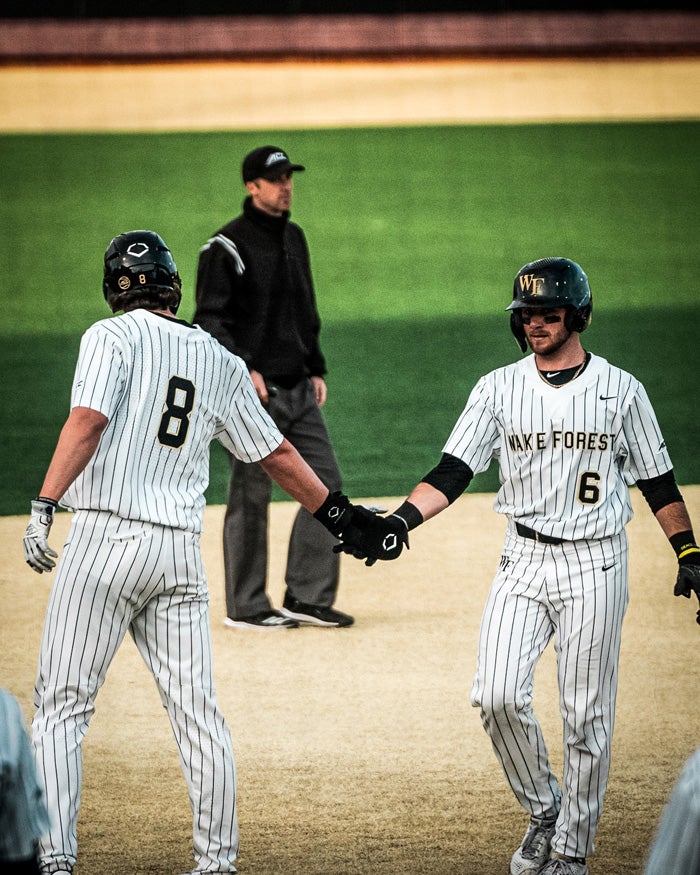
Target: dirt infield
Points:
(304, 94)
(357, 749)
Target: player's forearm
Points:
(290, 472)
(673, 518)
(76, 446)
(675, 523)
(436, 491)
(429, 500)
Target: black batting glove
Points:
(335, 513)
(37, 553)
(688, 579)
(371, 537)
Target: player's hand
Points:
(335, 513)
(37, 552)
(371, 537)
(688, 581)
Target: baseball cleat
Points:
(533, 854)
(202, 871)
(565, 867)
(263, 620)
(314, 614)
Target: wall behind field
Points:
(150, 31)
(81, 9)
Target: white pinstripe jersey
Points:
(566, 455)
(168, 389)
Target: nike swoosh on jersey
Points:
(607, 567)
(606, 397)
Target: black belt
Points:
(524, 532)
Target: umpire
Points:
(255, 294)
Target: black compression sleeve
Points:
(660, 491)
(410, 515)
(451, 476)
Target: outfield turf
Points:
(415, 235)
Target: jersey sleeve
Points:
(100, 372)
(475, 437)
(644, 445)
(248, 431)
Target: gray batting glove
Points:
(37, 552)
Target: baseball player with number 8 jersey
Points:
(150, 393)
(571, 433)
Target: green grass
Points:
(415, 234)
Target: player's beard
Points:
(552, 348)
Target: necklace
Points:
(557, 379)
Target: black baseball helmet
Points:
(551, 282)
(139, 260)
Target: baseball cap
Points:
(268, 162)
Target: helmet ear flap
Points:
(577, 319)
(516, 326)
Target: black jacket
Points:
(255, 294)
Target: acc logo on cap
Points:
(124, 283)
(274, 157)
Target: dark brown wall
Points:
(337, 36)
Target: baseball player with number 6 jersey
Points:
(571, 433)
(149, 395)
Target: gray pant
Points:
(312, 566)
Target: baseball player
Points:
(149, 395)
(571, 432)
(23, 816)
(676, 846)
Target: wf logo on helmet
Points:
(531, 283)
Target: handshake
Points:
(363, 534)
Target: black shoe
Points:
(314, 614)
(263, 620)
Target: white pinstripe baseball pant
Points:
(117, 575)
(576, 592)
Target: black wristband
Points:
(685, 548)
(51, 501)
(410, 514)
